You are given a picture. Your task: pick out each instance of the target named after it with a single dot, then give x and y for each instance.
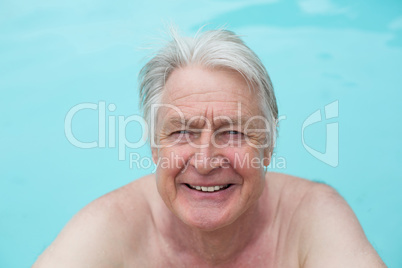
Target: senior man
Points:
(211, 203)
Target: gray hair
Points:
(211, 49)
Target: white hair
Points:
(211, 49)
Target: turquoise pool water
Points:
(336, 59)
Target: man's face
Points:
(210, 161)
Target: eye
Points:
(230, 137)
(180, 132)
(233, 132)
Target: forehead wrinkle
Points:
(198, 107)
(218, 122)
(187, 103)
(194, 121)
(170, 95)
(235, 121)
(199, 93)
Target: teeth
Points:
(209, 188)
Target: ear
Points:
(267, 156)
(154, 155)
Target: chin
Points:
(206, 219)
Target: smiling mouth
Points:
(209, 189)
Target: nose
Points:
(206, 157)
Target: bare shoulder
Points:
(330, 233)
(101, 233)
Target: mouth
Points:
(209, 189)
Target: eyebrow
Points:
(218, 122)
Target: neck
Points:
(218, 246)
